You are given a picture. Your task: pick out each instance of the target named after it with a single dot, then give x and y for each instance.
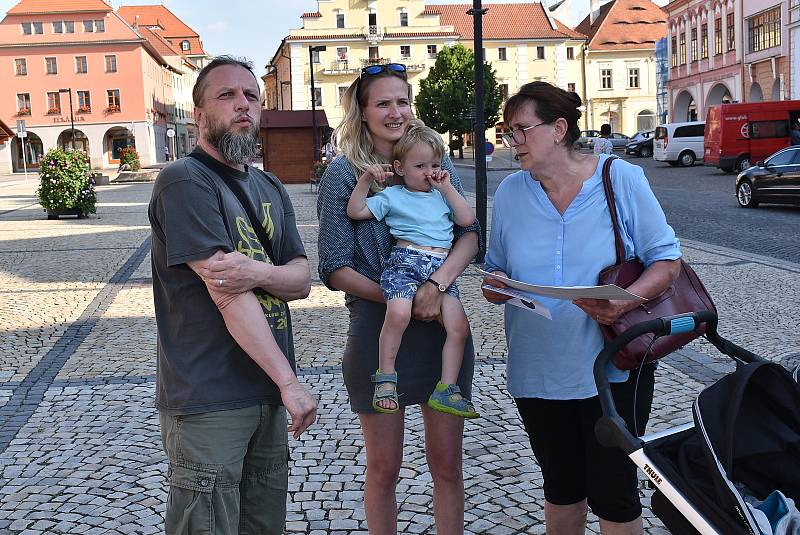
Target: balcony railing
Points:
(373, 32)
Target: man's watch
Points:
(441, 287)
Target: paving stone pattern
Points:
(80, 448)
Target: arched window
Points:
(645, 120)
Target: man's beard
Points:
(236, 147)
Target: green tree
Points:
(446, 100)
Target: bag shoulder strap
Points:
(612, 208)
(240, 194)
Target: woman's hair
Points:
(352, 137)
(605, 129)
(551, 103)
(417, 132)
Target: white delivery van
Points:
(679, 143)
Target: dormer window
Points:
(185, 46)
(31, 28)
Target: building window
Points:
(718, 36)
(539, 52)
(113, 100)
(21, 67)
(432, 52)
(673, 51)
(503, 92)
(501, 54)
(341, 53)
(54, 103)
(38, 28)
(682, 48)
(318, 97)
(84, 102)
(605, 79)
(51, 66)
(100, 25)
(27, 28)
(81, 66)
(571, 87)
(570, 52)
(403, 18)
(405, 51)
(58, 26)
(314, 55)
(764, 30)
(633, 78)
(23, 103)
(340, 20)
(69, 26)
(341, 90)
(111, 63)
(88, 26)
(731, 32)
(704, 41)
(693, 45)
(185, 46)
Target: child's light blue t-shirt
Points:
(422, 218)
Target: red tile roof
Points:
(348, 36)
(503, 21)
(5, 131)
(161, 45)
(40, 7)
(164, 21)
(311, 15)
(419, 34)
(625, 25)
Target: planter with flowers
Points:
(65, 186)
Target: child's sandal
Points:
(448, 398)
(388, 392)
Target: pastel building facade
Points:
(523, 42)
(118, 80)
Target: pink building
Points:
(79, 63)
(725, 51)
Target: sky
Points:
(249, 28)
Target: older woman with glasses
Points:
(377, 111)
(551, 226)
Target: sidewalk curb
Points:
(768, 261)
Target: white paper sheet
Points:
(523, 300)
(607, 291)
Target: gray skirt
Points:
(419, 360)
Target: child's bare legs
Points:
(398, 314)
(455, 323)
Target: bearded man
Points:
(225, 369)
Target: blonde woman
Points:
(351, 256)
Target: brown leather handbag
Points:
(687, 294)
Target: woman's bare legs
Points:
(565, 519)
(383, 439)
(444, 437)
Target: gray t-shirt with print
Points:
(193, 214)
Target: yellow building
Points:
(521, 41)
(620, 64)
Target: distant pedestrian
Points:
(603, 145)
(166, 153)
(225, 377)
(794, 135)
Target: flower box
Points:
(24, 111)
(84, 109)
(53, 111)
(112, 109)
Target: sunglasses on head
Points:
(372, 70)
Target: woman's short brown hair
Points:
(551, 103)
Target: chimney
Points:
(135, 21)
(594, 11)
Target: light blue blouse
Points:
(532, 242)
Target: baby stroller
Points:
(743, 445)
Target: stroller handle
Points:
(611, 429)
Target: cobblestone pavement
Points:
(79, 442)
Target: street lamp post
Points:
(71, 116)
(314, 133)
(481, 193)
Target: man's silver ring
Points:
(220, 281)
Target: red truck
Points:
(737, 135)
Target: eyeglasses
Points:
(372, 70)
(518, 136)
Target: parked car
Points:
(738, 134)
(642, 148)
(586, 141)
(619, 140)
(774, 180)
(640, 135)
(679, 143)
